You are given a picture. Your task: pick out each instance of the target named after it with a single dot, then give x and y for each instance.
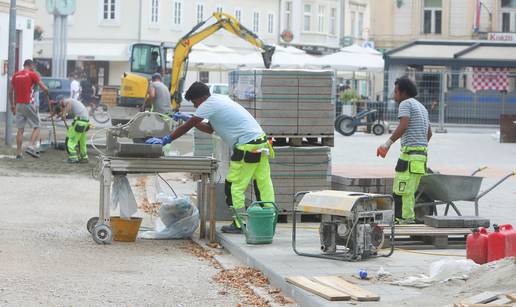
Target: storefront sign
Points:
(85, 58)
(502, 37)
(287, 36)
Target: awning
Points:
(98, 52)
(91, 51)
(454, 53)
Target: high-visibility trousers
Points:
(76, 135)
(249, 162)
(410, 168)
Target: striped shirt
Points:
(417, 130)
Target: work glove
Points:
(382, 150)
(181, 116)
(160, 141)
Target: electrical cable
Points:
(167, 184)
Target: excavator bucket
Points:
(267, 55)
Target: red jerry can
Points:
(497, 243)
(510, 239)
(476, 245)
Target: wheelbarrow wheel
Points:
(91, 223)
(378, 129)
(102, 234)
(344, 125)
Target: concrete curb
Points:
(301, 297)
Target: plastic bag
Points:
(122, 195)
(440, 271)
(178, 218)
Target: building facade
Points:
(312, 25)
(25, 11)
(355, 24)
(395, 22)
(101, 31)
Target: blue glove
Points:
(160, 141)
(181, 116)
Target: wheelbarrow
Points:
(439, 189)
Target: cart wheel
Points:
(378, 129)
(102, 234)
(344, 125)
(91, 223)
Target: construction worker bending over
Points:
(238, 129)
(76, 134)
(415, 132)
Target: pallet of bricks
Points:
(295, 106)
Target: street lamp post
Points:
(10, 71)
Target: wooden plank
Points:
(511, 296)
(481, 298)
(326, 292)
(502, 300)
(357, 293)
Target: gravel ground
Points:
(49, 258)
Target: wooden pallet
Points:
(439, 237)
(303, 140)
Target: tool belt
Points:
(81, 125)
(247, 156)
(257, 141)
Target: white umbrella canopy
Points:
(352, 58)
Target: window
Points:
(200, 12)
(256, 22)
(508, 16)
(154, 12)
(333, 20)
(353, 24)
(288, 15)
(219, 8)
(307, 17)
(270, 23)
(432, 17)
(360, 25)
(204, 76)
(109, 12)
(320, 19)
(177, 13)
(145, 58)
(238, 15)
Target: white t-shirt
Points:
(74, 89)
(229, 120)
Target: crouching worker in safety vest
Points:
(238, 129)
(76, 134)
(415, 132)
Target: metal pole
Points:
(10, 71)
(442, 103)
(55, 47)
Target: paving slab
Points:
(278, 261)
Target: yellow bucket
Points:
(125, 230)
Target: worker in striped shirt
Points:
(415, 132)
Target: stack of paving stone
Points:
(287, 102)
(376, 185)
(203, 144)
(296, 169)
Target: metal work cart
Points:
(204, 167)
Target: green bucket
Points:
(261, 222)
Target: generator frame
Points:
(342, 256)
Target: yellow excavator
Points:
(147, 59)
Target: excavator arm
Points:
(195, 36)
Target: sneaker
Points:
(32, 152)
(232, 228)
(19, 157)
(72, 161)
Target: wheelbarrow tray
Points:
(448, 188)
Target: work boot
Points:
(19, 157)
(232, 228)
(404, 221)
(70, 160)
(83, 160)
